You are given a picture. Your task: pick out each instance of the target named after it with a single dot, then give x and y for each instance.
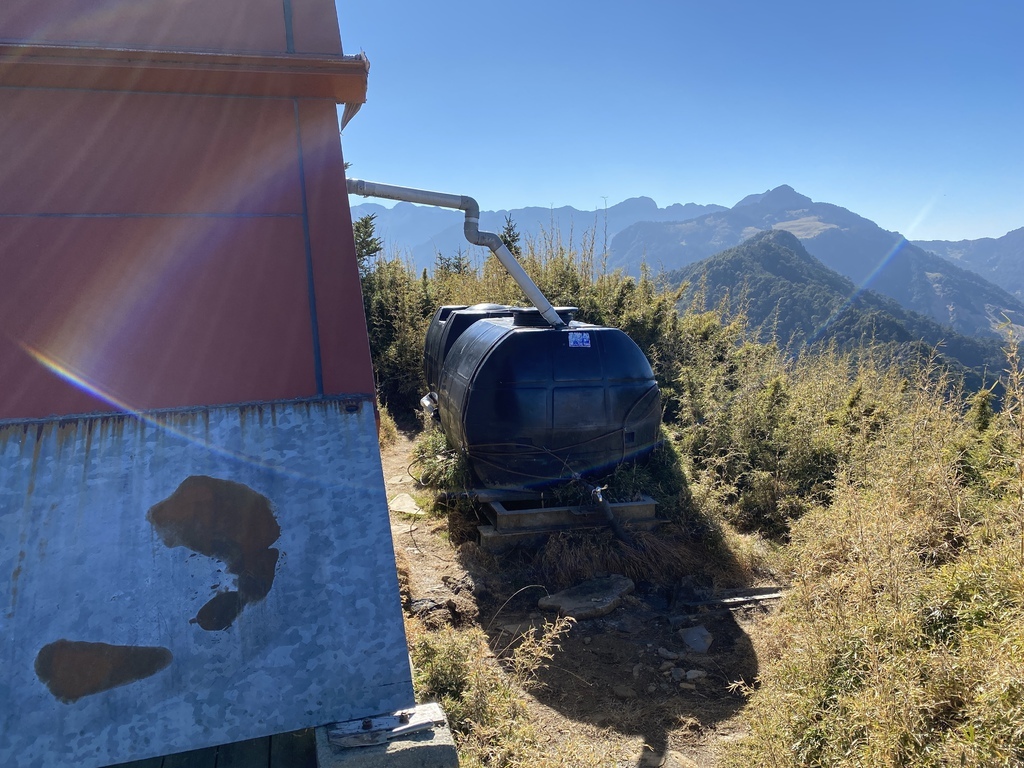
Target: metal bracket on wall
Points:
(370, 731)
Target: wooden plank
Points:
(196, 758)
(748, 591)
(293, 750)
(254, 753)
(286, 750)
(734, 601)
(340, 78)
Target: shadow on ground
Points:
(620, 671)
(612, 673)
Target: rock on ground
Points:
(698, 639)
(597, 597)
(405, 504)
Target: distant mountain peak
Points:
(642, 203)
(780, 237)
(781, 198)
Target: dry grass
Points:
(663, 557)
(902, 640)
(484, 693)
(387, 430)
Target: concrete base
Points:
(500, 543)
(597, 597)
(434, 748)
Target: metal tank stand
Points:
(515, 521)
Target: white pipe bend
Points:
(472, 231)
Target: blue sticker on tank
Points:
(579, 339)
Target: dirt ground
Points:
(612, 685)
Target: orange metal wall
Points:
(167, 249)
(236, 26)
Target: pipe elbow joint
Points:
(471, 207)
(488, 240)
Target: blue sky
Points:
(910, 113)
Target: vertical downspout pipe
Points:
(472, 230)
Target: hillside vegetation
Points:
(888, 499)
(796, 300)
(849, 244)
(996, 259)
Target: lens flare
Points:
(819, 332)
(164, 420)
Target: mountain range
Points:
(997, 259)
(843, 241)
(941, 280)
(793, 297)
(422, 232)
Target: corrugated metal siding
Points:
(264, 26)
(168, 252)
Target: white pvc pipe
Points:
(472, 232)
(406, 194)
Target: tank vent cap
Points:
(531, 317)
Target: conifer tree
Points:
(368, 244)
(510, 236)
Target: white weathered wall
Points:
(84, 564)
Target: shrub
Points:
(437, 464)
(901, 641)
(387, 431)
(483, 695)
(394, 305)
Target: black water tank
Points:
(532, 405)
(448, 324)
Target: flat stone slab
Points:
(522, 628)
(624, 692)
(698, 639)
(597, 597)
(405, 504)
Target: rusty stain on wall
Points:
(228, 521)
(15, 575)
(36, 449)
(72, 669)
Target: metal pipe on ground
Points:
(472, 231)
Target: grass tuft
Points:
(484, 696)
(387, 432)
(437, 464)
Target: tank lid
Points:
(531, 316)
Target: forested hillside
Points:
(997, 259)
(795, 300)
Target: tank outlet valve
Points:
(429, 404)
